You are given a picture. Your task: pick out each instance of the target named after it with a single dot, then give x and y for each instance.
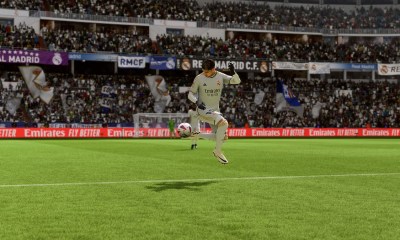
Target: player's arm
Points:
(235, 77)
(192, 97)
(193, 91)
(194, 100)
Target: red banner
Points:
(164, 132)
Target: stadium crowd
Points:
(24, 37)
(231, 12)
(237, 12)
(337, 104)
(279, 50)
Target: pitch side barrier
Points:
(70, 133)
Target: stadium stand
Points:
(24, 37)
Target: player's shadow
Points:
(190, 186)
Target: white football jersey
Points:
(209, 89)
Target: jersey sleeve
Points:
(225, 78)
(195, 86)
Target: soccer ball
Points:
(184, 130)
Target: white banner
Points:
(160, 92)
(184, 89)
(389, 69)
(131, 62)
(7, 85)
(13, 104)
(259, 97)
(67, 101)
(106, 102)
(316, 109)
(319, 68)
(289, 66)
(340, 92)
(107, 90)
(36, 81)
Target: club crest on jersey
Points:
(218, 83)
(204, 85)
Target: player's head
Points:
(208, 67)
(208, 64)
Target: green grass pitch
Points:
(160, 189)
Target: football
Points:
(184, 130)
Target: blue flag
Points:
(286, 100)
(162, 63)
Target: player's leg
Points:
(209, 136)
(215, 118)
(195, 123)
(219, 140)
(196, 134)
(195, 138)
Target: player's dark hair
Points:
(208, 64)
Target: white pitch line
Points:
(197, 180)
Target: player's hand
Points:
(201, 106)
(231, 68)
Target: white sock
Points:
(220, 137)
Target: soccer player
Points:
(208, 86)
(171, 126)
